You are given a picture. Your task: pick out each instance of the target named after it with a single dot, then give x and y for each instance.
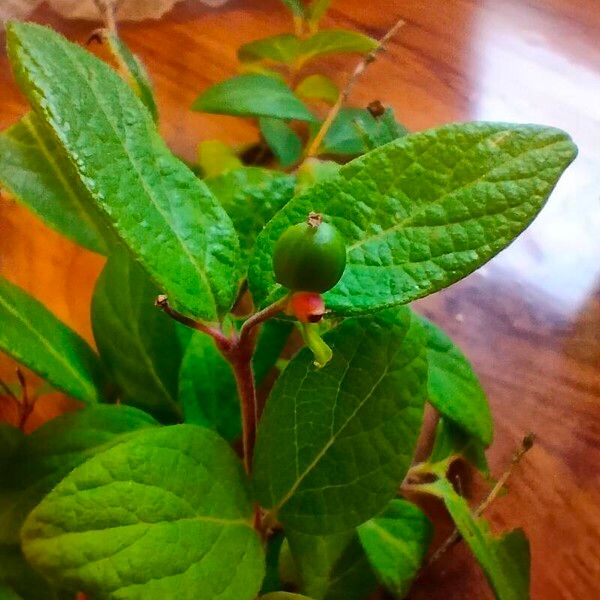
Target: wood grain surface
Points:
(529, 320)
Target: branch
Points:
(107, 9)
(455, 536)
(262, 316)
(354, 77)
(223, 341)
(27, 404)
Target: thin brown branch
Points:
(345, 93)
(222, 341)
(107, 9)
(8, 391)
(455, 536)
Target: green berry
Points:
(310, 256)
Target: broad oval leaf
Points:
(252, 96)
(50, 452)
(33, 336)
(453, 387)
(504, 559)
(333, 444)
(318, 87)
(283, 48)
(395, 543)
(175, 514)
(424, 211)
(207, 388)
(282, 139)
(138, 343)
(135, 71)
(36, 172)
(334, 41)
(332, 567)
(7, 593)
(167, 217)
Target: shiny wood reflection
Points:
(529, 320)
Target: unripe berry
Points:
(310, 256)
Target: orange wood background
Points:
(529, 320)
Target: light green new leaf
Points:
(215, 158)
(332, 567)
(136, 72)
(452, 442)
(318, 87)
(36, 172)
(251, 196)
(425, 210)
(504, 559)
(396, 543)
(167, 217)
(453, 387)
(207, 388)
(175, 514)
(333, 444)
(334, 41)
(138, 343)
(283, 48)
(282, 139)
(252, 96)
(50, 452)
(33, 336)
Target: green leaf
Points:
(252, 96)
(7, 593)
(272, 339)
(215, 158)
(453, 387)
(395, 543)
(10, 440)
(207, 388)
(52, 451)
(334, 41)
(36, 172)
(316, 10)
(33, 336)
(272, 581)
(284, 596)
(333, 444)
(314, 170)
(424, 211)
(318, 87)
(176, 514)
(332, 567)
(17, 576)
(138, 343)
(451, 442)
(355, 131)
(283, 48)
(504, 559)
(133, 67)
(251, 196)
(166, 216)
(282, 139)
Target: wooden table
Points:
(529, 320)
